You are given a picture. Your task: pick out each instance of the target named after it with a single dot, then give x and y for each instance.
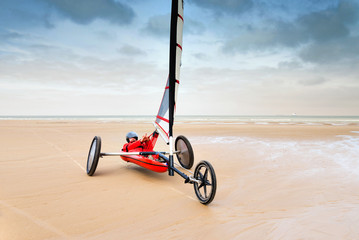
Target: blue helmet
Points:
(131, 135)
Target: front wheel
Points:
(94, 155)
(206, 186)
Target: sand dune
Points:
(274, 182)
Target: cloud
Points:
(200, 56)
(84, 12)
(159, 25)
(22, 14)
(285, 65)
(313, 81)
(6, 35)
(192, 26)
(25, 14)
(317, 31)
(131, 50)
(331, 23)
(332, 52)
(224, 6)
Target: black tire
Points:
(185, 157)
(94, 155)
(205, 191)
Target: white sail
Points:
(165, 116)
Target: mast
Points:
(165, 117)
(174, 67)
(175, 56)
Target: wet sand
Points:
(275, 181)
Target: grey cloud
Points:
(106, 35)
(256, 39)
(84, 11)
(324, 33)
(271, 34)
(22, 14)
(225, 6)
(290, 65)
(158, 25)
(131, 50)
(330, 23)
(201, 56)
(51, 52)
(331, 52)
(30, 13)
(312, 82)
(192, 26)
(10, 35)
(274, 34)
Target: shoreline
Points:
(235, 119)
(271, 130)
(194, 122)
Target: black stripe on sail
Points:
(172, 67)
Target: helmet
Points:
(131, 135)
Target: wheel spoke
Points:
(200, 176)
(205, 175)
(205, 190)
(204, 182)
(201, 179)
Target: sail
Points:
(165, 116)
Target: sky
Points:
(240, 57)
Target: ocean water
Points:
(341, 152)
(270, 119)
(199, 119)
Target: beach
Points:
(274, 181)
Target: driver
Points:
(146, 143)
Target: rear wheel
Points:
(207, 186)
(94, 155)
(185, 155)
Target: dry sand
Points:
(274, 182)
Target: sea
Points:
(198, 119)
